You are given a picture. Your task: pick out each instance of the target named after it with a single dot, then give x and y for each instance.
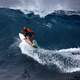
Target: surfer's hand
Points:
(34, 46)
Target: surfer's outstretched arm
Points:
(30, 43)
(35, 45)
(27, 41)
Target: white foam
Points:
(67, 60)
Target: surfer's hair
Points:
(30, 34)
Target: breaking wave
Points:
(67, 60)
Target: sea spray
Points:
(67, 60)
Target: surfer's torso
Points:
(32, 43)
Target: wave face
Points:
(58, 37)
(54, 31)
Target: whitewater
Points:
(66, 60)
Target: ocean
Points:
(58, 38)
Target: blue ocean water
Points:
(58, 36)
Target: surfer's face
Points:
(32, 36)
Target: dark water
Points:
(55, 31)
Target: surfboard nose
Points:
(21, 36)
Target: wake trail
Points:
(67, 60)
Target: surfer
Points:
(29, 36)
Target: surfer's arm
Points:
(28, 41)
(33, 45)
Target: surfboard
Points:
(21, 36)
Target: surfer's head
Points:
(28, 32)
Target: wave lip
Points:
(57, 12)
(67, 12)
(43, 13)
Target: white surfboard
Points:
(22, 37)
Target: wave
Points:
(67, 60)
(43, 13)
(59, 32)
